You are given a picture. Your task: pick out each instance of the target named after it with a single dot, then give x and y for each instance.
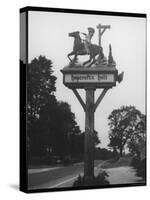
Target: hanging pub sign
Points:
(82, 78)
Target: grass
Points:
(99, 180)
(123, 161)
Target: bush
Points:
(141, 169)
(99, 180)
(135, 162)
(140, 166)
(67, 161)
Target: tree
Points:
(77, 146)
(95, 138)
(42, 129)
(137, 142)
(40, 91)
(57, 127)
(103, 154)
(40, 85)
(124, 123)
(51, 123)
(65, 127)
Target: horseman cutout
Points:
(85, 47)
(88, 37)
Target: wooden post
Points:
(89, 133)
(100, 97)
(99, 41)
(79, 99)
(99, 34)
(89, 108)
(101, 30)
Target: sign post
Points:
(89, 133)
(89, 79)
(100, 76)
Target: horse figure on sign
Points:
(79, 49)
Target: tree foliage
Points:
(126, 125)
(60, 126)
(51, 125)
(137, 142)
(40, 90)
(40, 84)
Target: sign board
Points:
(97, 78)
(89, 78)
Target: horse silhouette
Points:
(79, 49)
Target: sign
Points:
(89, 78)
(101, 77)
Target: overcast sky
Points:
(48, 36)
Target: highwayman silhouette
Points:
(88, 37)
(84, 47)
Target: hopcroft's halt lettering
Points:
(89, 78)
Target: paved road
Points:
(122, 175)
(56, 177)
(65, 176)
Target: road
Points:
(58, 176)
(122, 175)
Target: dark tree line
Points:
(51, 125)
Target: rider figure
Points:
(88, 37)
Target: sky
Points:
(48, 36)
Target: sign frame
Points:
(92, 71)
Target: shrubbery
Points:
(140, 166)
(135, 162)
(141, 169)
(67, 161)
(99, 180)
